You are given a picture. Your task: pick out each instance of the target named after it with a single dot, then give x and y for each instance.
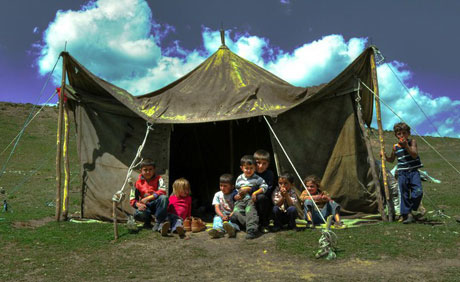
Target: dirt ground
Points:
(199, 258)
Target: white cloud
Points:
(120, 41)
(396, 96)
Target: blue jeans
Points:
(157, 207)
(330, 208)
(410, 190)
(218, 224)
(285, 217)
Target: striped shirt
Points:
(405, 160)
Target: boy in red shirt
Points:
(149, 198)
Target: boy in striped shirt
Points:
(410, 184)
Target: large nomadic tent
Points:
(206, 120)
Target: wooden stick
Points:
(114, 214)
(371, 159)
(58, 142)
(378, 113)
(65, 204)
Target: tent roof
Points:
(223, 87)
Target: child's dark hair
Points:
(262, 155)
(400, 126)
(226, 178)
(247, 160)
(315, 179)
(147, 162)
(288, 176)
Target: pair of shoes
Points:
(164, 228)
(228, 227)
(188, 224)
(197, 225)
(215, 233)
(251, 234)
(263, 229)
(276, 228)
(408, 219)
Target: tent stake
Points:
(114, 214)
(58, 142)
(388, 196)
(371, 160)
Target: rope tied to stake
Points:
(327, 242)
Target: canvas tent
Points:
(206, 120)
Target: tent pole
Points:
(388, 196)
(371, 160)
(115, 223)
(65, 206)
(58, 141)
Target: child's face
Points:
(226, 188)
(283, 183)
(311, 187)
(261, 165)
(148, 171)
(248, 170)
(184, 193)
(402, 134)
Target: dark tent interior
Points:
(202, 152)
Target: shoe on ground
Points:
(214, 233)
(264, 229)
(228, 227)
(419, 217)
(339, 225)
(156, 227)
(198, 225)
(276, 228)
(147, 225)
(180, 231)
(251, 235)
(165, 228)
(409, 219)
(188, 224)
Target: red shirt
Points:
(180, 206)
(143, 188)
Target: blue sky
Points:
(143, 45)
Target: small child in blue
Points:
(410, 184)
(223, 203)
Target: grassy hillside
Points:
(38, 248)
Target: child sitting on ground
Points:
(410, 184)
(324, 202)
(284, 200)
(223, 204)
(148, 197)
(244, 212)
(264, 200)
(180, 205)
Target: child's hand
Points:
(237, 197)
(403, 142)
(141, 206)
(254, 197)
(283, 191)
(225, 218)
(145, 200)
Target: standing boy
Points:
(248, 185)
(149, 198)
(410, 184)
(223, 203)
(264, 201)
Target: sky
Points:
(143, 45)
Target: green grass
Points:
(42, 250)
